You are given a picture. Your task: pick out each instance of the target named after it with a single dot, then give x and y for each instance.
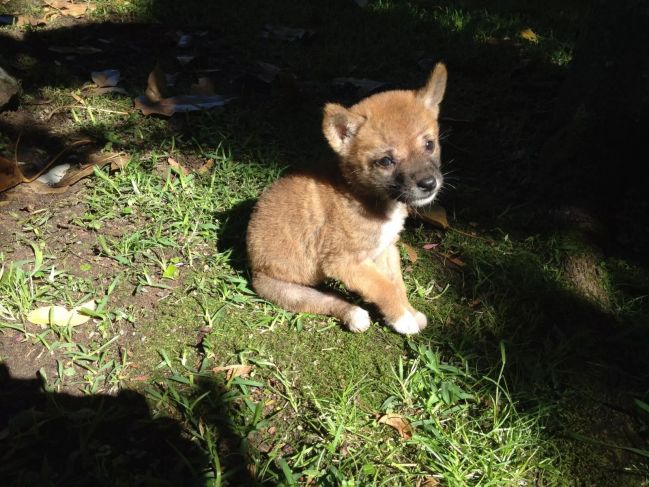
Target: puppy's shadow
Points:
(231, 235)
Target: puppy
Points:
(344, 223)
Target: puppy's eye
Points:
(386, 161)
(430, 145)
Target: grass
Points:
(512, 384)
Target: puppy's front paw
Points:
(407, 324)
(420, 318)
(358, 320)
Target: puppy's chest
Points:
(389, 229)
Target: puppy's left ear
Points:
(433, 92)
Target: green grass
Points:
(511, 384)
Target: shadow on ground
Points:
(49, 438)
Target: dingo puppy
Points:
(344, 223)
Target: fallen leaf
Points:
(156, 88)
(284, 33)
(399, 423)
(83, 50)
(8, 87)
(60, 316)
(103, 91)
(177, 166)
(94, 160)
(10, 174)
(452, 259)
(106, 78)
(140, 378)
(231, 371)
(429, 246)
(265, 72)
(411, 252)
(435, 215)
(529, 35)
(185, 41)
(206, 167)
(68, 8)
(360, 86)
(428, 481)
(179, 104)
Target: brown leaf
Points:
(399, 423)
(68, 8)
(105, 79)
(231, 371)
(83, 50)
(411, 252)
(10, 174)
(430, 246)
(179, 104)
(427, 481)
(156, 88)
(435, 215)
(206, 167)
(284, 33)
(452, 259)
(177, 166)
(74, 176)
(529, 35)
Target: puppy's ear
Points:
(340, 126)
(433, 92)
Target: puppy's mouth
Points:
(414, 196)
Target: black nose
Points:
(427, 184)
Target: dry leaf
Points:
(83, 50)
(411, 252)
(206, 167)
(360, 86)
(428, 481)
(429, 246)
(68, 8)
(452, 259)
(237, 370)
(179, 104)
(60, 316)
(529, 35)
(10, 174)
(399, 423)
(156, 88)
(177, 166)
(105, 79)
(284, 33)
(434, 214)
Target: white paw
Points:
(421, 319)
(406, 324)
(358, 320)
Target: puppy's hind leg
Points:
(305, 299)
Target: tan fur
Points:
(344, 223)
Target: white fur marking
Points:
(391, 228)
(421, 319)
(406, 324)
(359, 320)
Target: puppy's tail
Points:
(305, 299)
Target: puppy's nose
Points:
(427, 184)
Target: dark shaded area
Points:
(49, 438)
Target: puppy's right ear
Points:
(340, 126)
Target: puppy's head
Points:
(389, 143)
